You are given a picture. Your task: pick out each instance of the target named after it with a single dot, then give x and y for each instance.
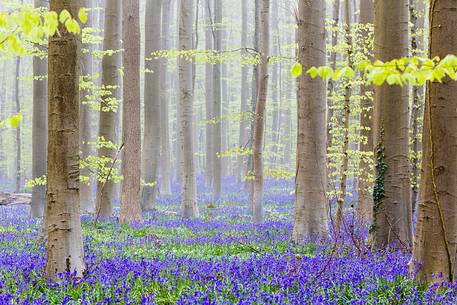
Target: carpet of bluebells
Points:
(220, 258)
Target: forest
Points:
(228, 152)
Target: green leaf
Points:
(64, 16)
(15, 120)
(82, 15)
(313, 72)
(325, 72)
(72, 26)
(297, 70)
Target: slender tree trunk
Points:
(333, 58)
(85, 121)
(275, 85)
(165, 186)
(209, 96)
(39, 130)
(392, 207)
(18, 129)
(435, 243)
(259, 126)
(217, 102)
(151, 140)
(311, 210)
(225, 107)
(417, 12)
(64, 245)
(254, 93)
(365, 197)
(287, 137)
(346, 120)
(243, 138)
(111, 82)
(3, 97)
(189, 207)
(131, 157)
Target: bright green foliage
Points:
(341, 78)
(36, 182)
(13, 121)
(26, 25)
(415, 70)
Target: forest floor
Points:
(220, 258)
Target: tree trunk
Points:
(392, 207)
(217, 103)
(275, 85)
(189, 207)
(243, 138)
(64, 245)
(365, 193)
(165, 186)
(209, 96)
(311, 210)
(151, 140)
(85, 121)
(417, 14)
(331, 83)
(111, 81)
(131, 157)
(259, 125)
(436, 241)
(346, 118)
(18, 128)
(39, 129)
(254, 93)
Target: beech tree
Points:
(365, 194)
(131, 131)
(311, 212)
(209, 95)
(85, 121)
(165, 186)
(435, 243)
(259, 124)
(151, 135)
(417, 17)
(217, 103)
(18, 128)
(64, 246)
(189, 208)
(39, 129)
(244, 108)
(111, 82)
(392, 216)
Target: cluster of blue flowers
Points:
(220, 258)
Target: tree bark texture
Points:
(64, 245)
(435, 244)
(311, 209)
(131, 154)
(392, 216)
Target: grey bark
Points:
(39, 129)
(311, 210)
(259, 126)
(392, 208)
(152, 132)
(111, 81)
(165, 186)
(217, 102)
(131, 129)
(65, 251)
(243, 137)
(189, 208)
(85, 121)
